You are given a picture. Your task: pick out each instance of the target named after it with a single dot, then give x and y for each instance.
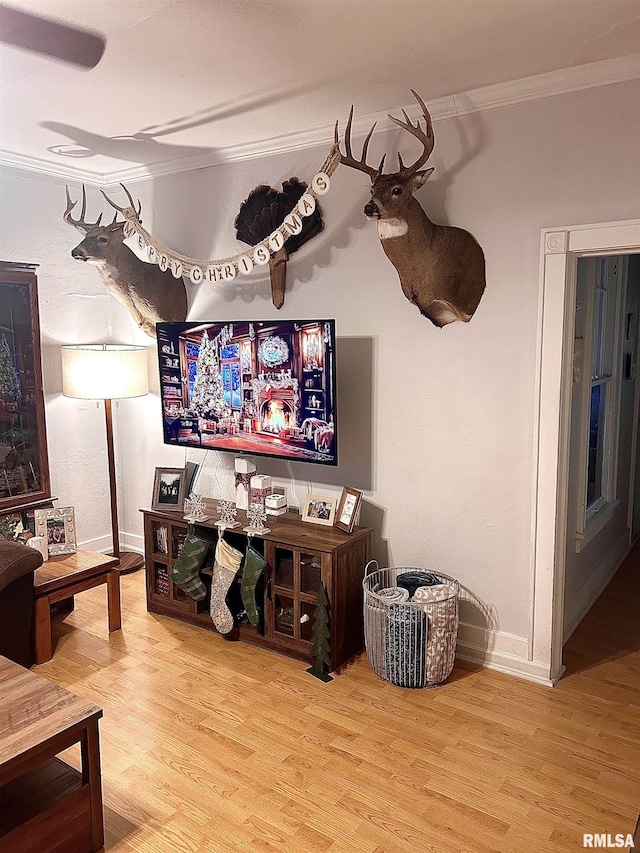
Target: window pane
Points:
(596, 443)
(599, 334)
(602, 273)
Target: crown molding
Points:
(565, 80)
(22, 163)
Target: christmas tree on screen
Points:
(208, 397)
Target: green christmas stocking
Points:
(225, 567)
(185, 571)
(254, 565)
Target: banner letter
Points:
(276, 241)
(228, 272)
(261, 255)
(306, 205)
(293, 223)
(321, 183)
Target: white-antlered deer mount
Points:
(150, 295)
(441, 268)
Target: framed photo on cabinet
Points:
(348, 507)
(319, 509)
(169, 488)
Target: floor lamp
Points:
(107, 372)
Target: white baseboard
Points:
(132, 542)
(588, 594)
(102, 544)
(503, 652)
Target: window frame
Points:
(592, 518)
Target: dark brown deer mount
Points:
(441, 268)
(150, 295)
(261, 213)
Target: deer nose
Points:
(370, 209)
(78, 254)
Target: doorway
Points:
(603, 428)
(560, 252)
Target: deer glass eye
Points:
(396, 191)
(103, 239)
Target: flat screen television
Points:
(257, 387)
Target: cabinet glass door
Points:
(283, 575)
(297, 576)
(310, 573)
(24, 464)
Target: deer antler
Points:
(348, 159)
(122, 209)
(425, 136)
(80, 224)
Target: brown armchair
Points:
(17, 566)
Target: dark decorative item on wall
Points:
(150, 293)
(219, 270)
(262, 212)
(24, 465)
(441, 268)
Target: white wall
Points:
(436, 426)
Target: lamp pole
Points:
(129, 560)
(112, 478)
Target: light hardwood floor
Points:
(215, 746)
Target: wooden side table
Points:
(61, 578)
(45, 804)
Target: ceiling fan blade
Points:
(48, 37)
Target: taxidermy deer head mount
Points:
(261, 213)
(150, 295)
(441, 268)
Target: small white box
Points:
(275, 501)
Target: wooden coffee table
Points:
(60, 578)
(46, 805)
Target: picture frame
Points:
(169, 489)
(193, 469)
(58, 527)
(319, 509)
(348, 507)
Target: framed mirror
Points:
(24, 463)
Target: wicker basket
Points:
(410, 643)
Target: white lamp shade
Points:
(104, 372)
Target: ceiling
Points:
(186, 83)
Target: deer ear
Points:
(420, 177)
(116, 226)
